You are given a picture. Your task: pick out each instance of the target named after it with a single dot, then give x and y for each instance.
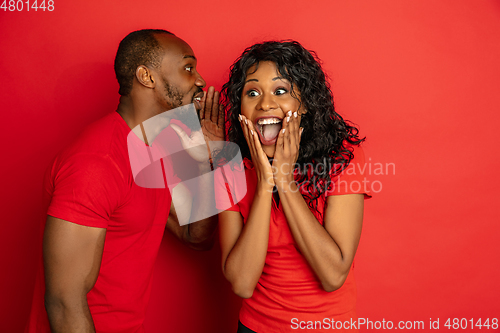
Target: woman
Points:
(289, 244)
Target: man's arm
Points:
(199, 235)
(72, 257)
(192, 206)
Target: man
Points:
(103, 231)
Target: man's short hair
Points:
(137, 48)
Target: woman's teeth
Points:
(267, 121)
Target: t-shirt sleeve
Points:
(352, 180)
(86, 189)
(225, 189)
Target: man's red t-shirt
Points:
(90, 183)
(288, 295)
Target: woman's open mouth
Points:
(268, 129)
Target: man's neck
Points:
(136, 116)
(135, 111)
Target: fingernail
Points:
(289, 113)
(283, 130)
(246, 122)
(287, 119)
(295, 114)
(239, 117)
(251, 132)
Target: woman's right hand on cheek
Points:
(259, 158)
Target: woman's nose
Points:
(267, 102)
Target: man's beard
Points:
(190, 119)
(173, 95)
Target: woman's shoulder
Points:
(353, 177)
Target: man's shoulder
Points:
(104, 140)
(102, 137)
(99, 136)
(90, 178)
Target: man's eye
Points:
(280, 91)
(189, 68)
(252, 93)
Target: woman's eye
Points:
(252, 93)
(280, 91)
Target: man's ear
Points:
(145, 76)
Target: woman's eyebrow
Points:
(274, 79)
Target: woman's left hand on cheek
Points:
(287, 150)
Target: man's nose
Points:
(200, 82)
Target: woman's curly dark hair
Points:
(326, 136)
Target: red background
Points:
(420, 78)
